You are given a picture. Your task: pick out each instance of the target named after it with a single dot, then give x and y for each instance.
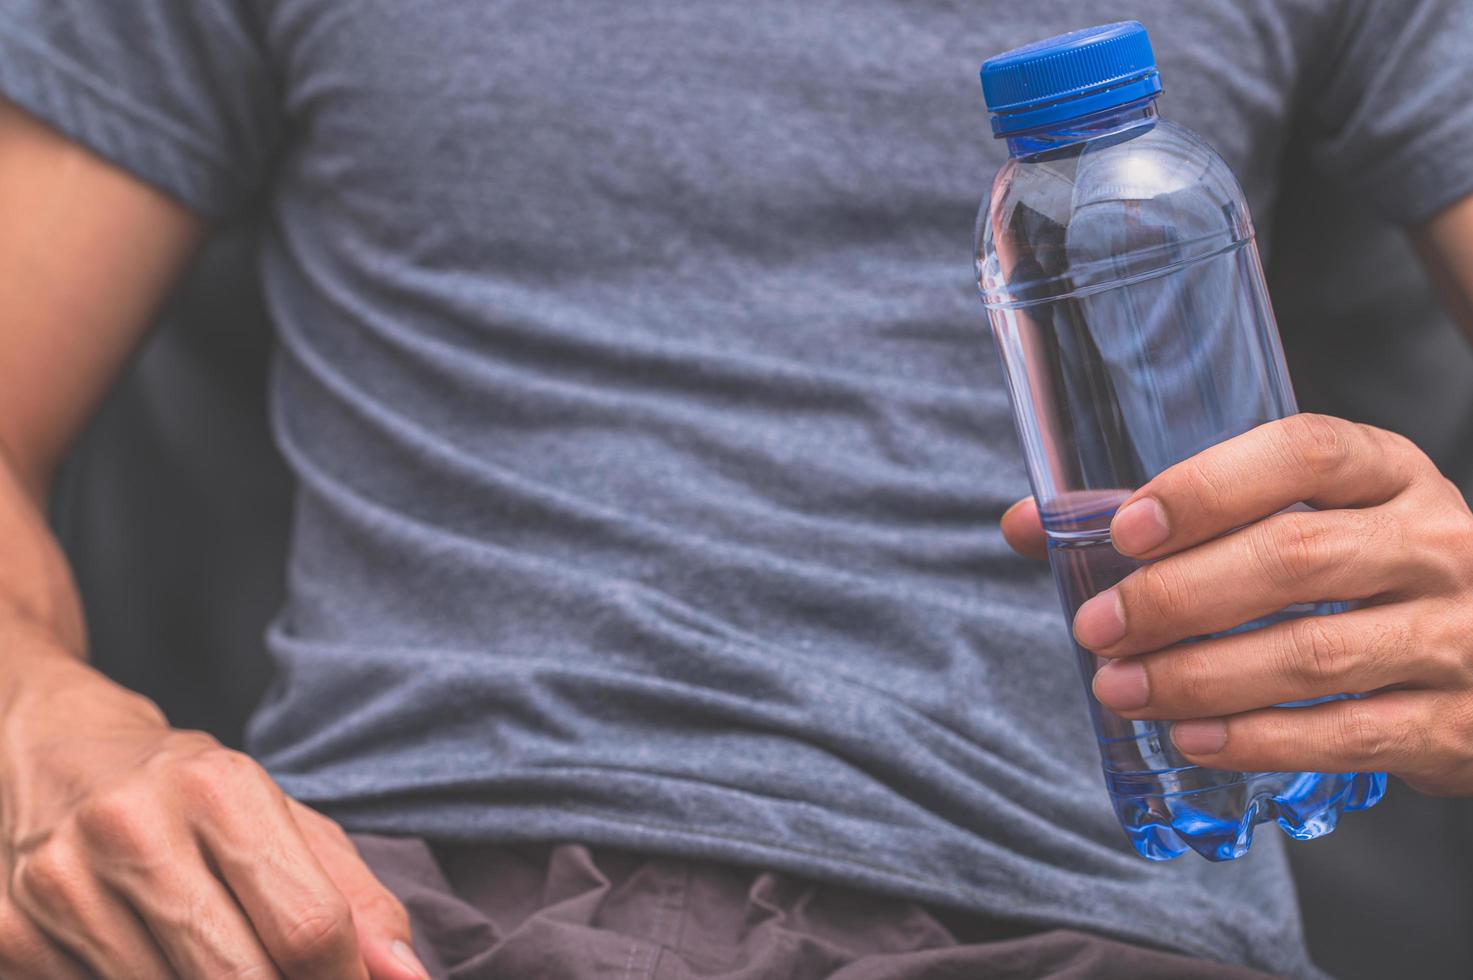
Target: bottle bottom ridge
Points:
(1218, 820)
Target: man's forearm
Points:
(40, 611)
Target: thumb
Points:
(1023, 530)
(383, 932)
(384, 936)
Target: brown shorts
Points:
(571, 912)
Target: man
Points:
(651, 459)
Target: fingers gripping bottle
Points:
(1118, 267)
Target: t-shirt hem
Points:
(419, 812)
(86, 110)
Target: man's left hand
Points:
(1223, 549)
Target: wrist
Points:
(45, 685)
(63, 727)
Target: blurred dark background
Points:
(175, 510)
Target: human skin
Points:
(1388, 530)
(128, 848)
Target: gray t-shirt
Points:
(650, 441)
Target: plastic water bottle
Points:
(1117, 264)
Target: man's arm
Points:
(127, 848)
(85, 255)
(1221, 548)
(1445, 245)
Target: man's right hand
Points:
(130, 849)
(127, 849)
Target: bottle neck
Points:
(1106, 123)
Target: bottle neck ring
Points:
(1098, 125)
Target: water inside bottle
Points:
(1166, 804)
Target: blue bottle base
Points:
(1306, 805)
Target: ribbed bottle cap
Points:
(1069, 76)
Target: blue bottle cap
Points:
(1069, 76)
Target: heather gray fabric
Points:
(650, 444)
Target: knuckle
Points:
(320, 823)
(1319, 443)
(1380, 534)
(1317, 653)
(382, 907)
(1448, 667)
(339, 836)
(1397, 450)
(207, 777)
(321, 935)
(1391, 534)
(1289, 548)
(1204, 486)
(118, 821)
(1420, 744)
(1394, 440)
(47, 878)
(1270, 738)
(24, 952)
(1392, 646)
(1194, 678)
(1400, 456)
(198, 782)
(1378, 528)
(1360, 739)
(1459, 730)
(1462, 537)
(16, 934)
(1370, 551)
(1458, 501)
(1452, 654)
(184, 744)
(1448, 563)
(1161, 590)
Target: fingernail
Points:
(404, 954)
(1200, 737)
(1100, 622)
(1139, 526)
(1122, 684)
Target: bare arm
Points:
(1445, 245)
(85, 255)
(127, 848)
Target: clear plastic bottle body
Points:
(1118, 267)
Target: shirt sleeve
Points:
(180, 93)
(1393, 119)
